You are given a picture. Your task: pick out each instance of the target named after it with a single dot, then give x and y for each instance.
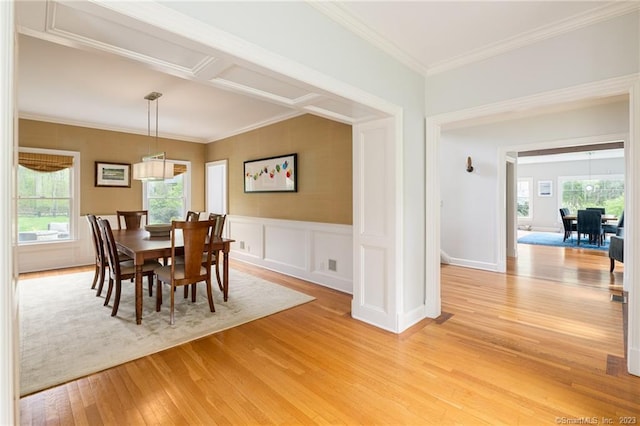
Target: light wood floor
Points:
(542, 347)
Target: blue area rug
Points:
(555, 239)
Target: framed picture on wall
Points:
(273, 174)
(545, 188)
(113, 174)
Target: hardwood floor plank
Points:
(528, 347)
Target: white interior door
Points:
(216, 187)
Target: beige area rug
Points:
(66, 332)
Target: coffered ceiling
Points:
(79, 63)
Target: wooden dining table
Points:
(605, 217)
(137, 244)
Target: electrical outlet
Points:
(333, 265)
(241, 245)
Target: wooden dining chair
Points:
(101, 260)
(98, 248)
(132, 218)
(197, 240)
(218, 220)
(192, 216)
(124, 270)
(217, 232)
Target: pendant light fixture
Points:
(153, 166)
(589, 186)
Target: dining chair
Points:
(100, 255)
(192, 216)
(569, 225)
(197, 240)
(219, 227)
(132, 219)
(119, 271)
(590, 223)
(218, 220)
(98, 248)
(616, 229)
(602, 210)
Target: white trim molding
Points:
(9, 325)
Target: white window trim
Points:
(74, 214)
(186, 185)
(531, 189)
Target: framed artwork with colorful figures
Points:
(273, 174)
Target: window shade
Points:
(178, 169)
(44, 162)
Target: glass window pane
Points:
(44, 205)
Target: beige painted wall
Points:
(102, 145)
(324, 151)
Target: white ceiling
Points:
(79, 64)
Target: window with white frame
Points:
(523, 197)
(169, 199)
(48, 195)
(577, 193)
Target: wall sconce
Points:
(469, 165)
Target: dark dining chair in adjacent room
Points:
(569, 225)
(119, 271)
(614, 229)
(590, 223)
(602, 210)
(198, 239)
(133, 219)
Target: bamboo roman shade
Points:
(179, 169)
(44, 162)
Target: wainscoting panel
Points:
(316, 252)
(277, 246)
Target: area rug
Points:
(555, 239)
(66, 332)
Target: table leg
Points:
(225, 273)
(138, 293)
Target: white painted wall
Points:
(598, 52)
(469, 200)
(545, 210)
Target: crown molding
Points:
(98, 126)
(340, 15)
(530, 37)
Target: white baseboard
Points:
(485, 266)
(633, 361)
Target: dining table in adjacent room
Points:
(139, 245)
(605, 217)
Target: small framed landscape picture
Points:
(545, 188)
(113, 174)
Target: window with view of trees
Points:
(524, 197)
(168, 200)
(46, 196)
(607, 192)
